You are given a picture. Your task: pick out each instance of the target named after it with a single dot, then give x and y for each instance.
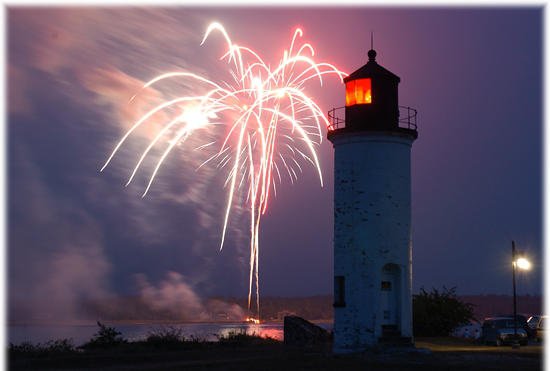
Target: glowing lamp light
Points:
(523, 263)
(358, 92)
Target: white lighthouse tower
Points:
(372, 211)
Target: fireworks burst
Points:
(270, 126)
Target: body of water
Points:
(81, 333)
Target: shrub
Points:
(105, 337)
(438, 313)
(242, 338)
(166, 336)
(60, 346)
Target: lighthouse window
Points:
(358, 92)
(339, 291)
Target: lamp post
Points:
(521, 263)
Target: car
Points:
(522, 323)
(500, 330)
(540, 328)
(533, 321)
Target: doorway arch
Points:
(390, 292)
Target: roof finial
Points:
(371, 53)
(371, 40)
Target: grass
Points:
(275, 356)
(168, 348)
(449, 344)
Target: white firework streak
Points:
(268, 117)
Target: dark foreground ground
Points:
(431, 354)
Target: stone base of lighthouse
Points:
(372, 240)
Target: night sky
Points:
(475, 76)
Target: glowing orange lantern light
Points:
(358, 92)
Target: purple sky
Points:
(473, 74)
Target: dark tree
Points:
(438, 313)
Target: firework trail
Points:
(270, 126)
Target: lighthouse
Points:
(372, 138)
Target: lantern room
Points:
(358, 92)
(372, 97)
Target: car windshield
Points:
(532, 321)
(506, 323)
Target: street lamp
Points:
(518, 262)
(523, 263)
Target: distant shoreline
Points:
(93, 322)
(273, 309)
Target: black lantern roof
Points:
(371, 69)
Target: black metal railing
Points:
(406, 119)
(337, 118)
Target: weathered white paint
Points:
(372, 228)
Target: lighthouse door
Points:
(389, 292)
